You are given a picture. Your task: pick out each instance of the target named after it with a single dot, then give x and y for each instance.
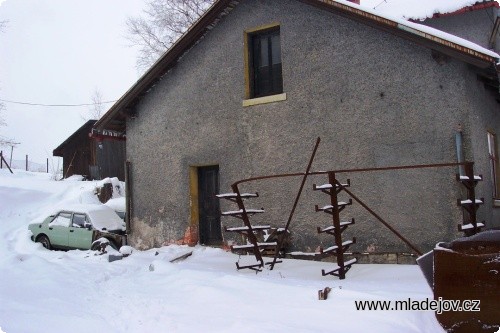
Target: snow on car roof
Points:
(101, 216)
(117, 204)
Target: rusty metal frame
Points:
(304, 178)
(337, 228)
(235, 188)
(470, 206)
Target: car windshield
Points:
(62, 220)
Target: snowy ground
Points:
(79, 291)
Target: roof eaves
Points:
(59, 150)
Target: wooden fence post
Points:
(7, 164)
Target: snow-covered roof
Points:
(417, 9)
(117, 204)
(430, 34)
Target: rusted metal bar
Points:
(315, 173)
(246, 221)
(470, 209)
(387, 225)
(307, 173)
(336, 223)
(471, 195)
(304, 178)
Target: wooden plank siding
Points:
(90, 158)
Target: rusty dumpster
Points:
(466, 270)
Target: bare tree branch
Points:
(3, 25)
(162, 23)
(2, 121)
(98, 107)
(4, 141)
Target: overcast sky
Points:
(60, 52)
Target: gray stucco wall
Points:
(487, 119)
(374, 99)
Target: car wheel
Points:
(45, 242)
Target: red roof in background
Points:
(477, 6)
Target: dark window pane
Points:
(78, 220)
(266, 64)
(264, 53)
(276, 49)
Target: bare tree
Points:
(162, 23)
(2, 121)
(4, 141)
(97, 109)
(3, 25)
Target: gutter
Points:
(464, 49)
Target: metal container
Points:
(467, 269)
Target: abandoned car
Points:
(80, 227)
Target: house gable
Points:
(374, 99)
(124, 108)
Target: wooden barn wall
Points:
(78, 156)
(110, 159)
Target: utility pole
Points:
(12, 144)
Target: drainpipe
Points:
(459, 142)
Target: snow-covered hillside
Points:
(80, 291)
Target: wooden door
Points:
(208, 187)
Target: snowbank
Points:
(79, 291)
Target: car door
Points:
(80, 237)
(59, 230)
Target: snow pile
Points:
(79, 291)
(416, 9)
(118, 186)
(117, 204)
